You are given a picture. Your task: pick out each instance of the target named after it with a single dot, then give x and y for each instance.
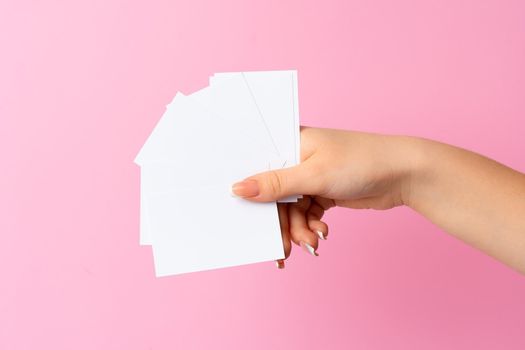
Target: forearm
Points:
(472, 197)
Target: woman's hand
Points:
(338, 168)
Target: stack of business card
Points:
(241, 124)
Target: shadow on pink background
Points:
(81, 87)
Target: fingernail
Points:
(321, 235)
(280, 264)
(309, 249)
(246, 189)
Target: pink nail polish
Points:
(246, 189)
(280, 264)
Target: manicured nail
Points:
(321, 235)
(280, 264)
(309, 249)
(246, 189)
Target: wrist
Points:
(413, 155)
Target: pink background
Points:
(83, 83)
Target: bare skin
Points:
(474, 198)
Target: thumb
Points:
(277, 184)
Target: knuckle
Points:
(274, 182)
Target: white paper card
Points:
(229, 231)
(274, 94)
(211, 137)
